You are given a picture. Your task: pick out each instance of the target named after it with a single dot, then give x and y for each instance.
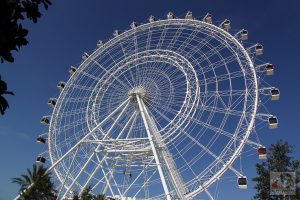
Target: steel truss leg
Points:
(125, 103)
(89, 134)
(150, 136)
(89, 159)
(100, 163)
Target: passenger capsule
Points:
(242, 182)
(40, 159)
(275, 94)
(52, 102)
(269, 68)
(85, 56)
(208, 18)
(226, 24)
(189, 15)
(170, 15)
(41, 140)
(72, 70)
(99, 44)
(244, 34)
(133, 25)
(61, 85)
(45, 120)
(273, 122)
(262, 152)
(116, 33)
(152, 19)
(259, 49)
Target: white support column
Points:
(174, 175)
(150, 136)
(105, 136)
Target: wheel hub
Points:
(141, 92)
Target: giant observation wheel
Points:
(160, 111)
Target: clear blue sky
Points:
(72, 27)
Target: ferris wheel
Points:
(160, 111)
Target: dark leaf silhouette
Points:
(12, 34)
(39, 180)
(3, 102)
(87, 195)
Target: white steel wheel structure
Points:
(160, 111)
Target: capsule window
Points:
(262, 150)
(269, 67)
(274, 91)
(273, 120)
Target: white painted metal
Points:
(209, 195)
(86, 136)
(66, 177)
(154, 149)
(181, 77)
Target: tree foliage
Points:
(75, 196)
(12, 33)
(100, 197)
(36, 184)
(279, 160)
(3, 102)
(87, 195)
